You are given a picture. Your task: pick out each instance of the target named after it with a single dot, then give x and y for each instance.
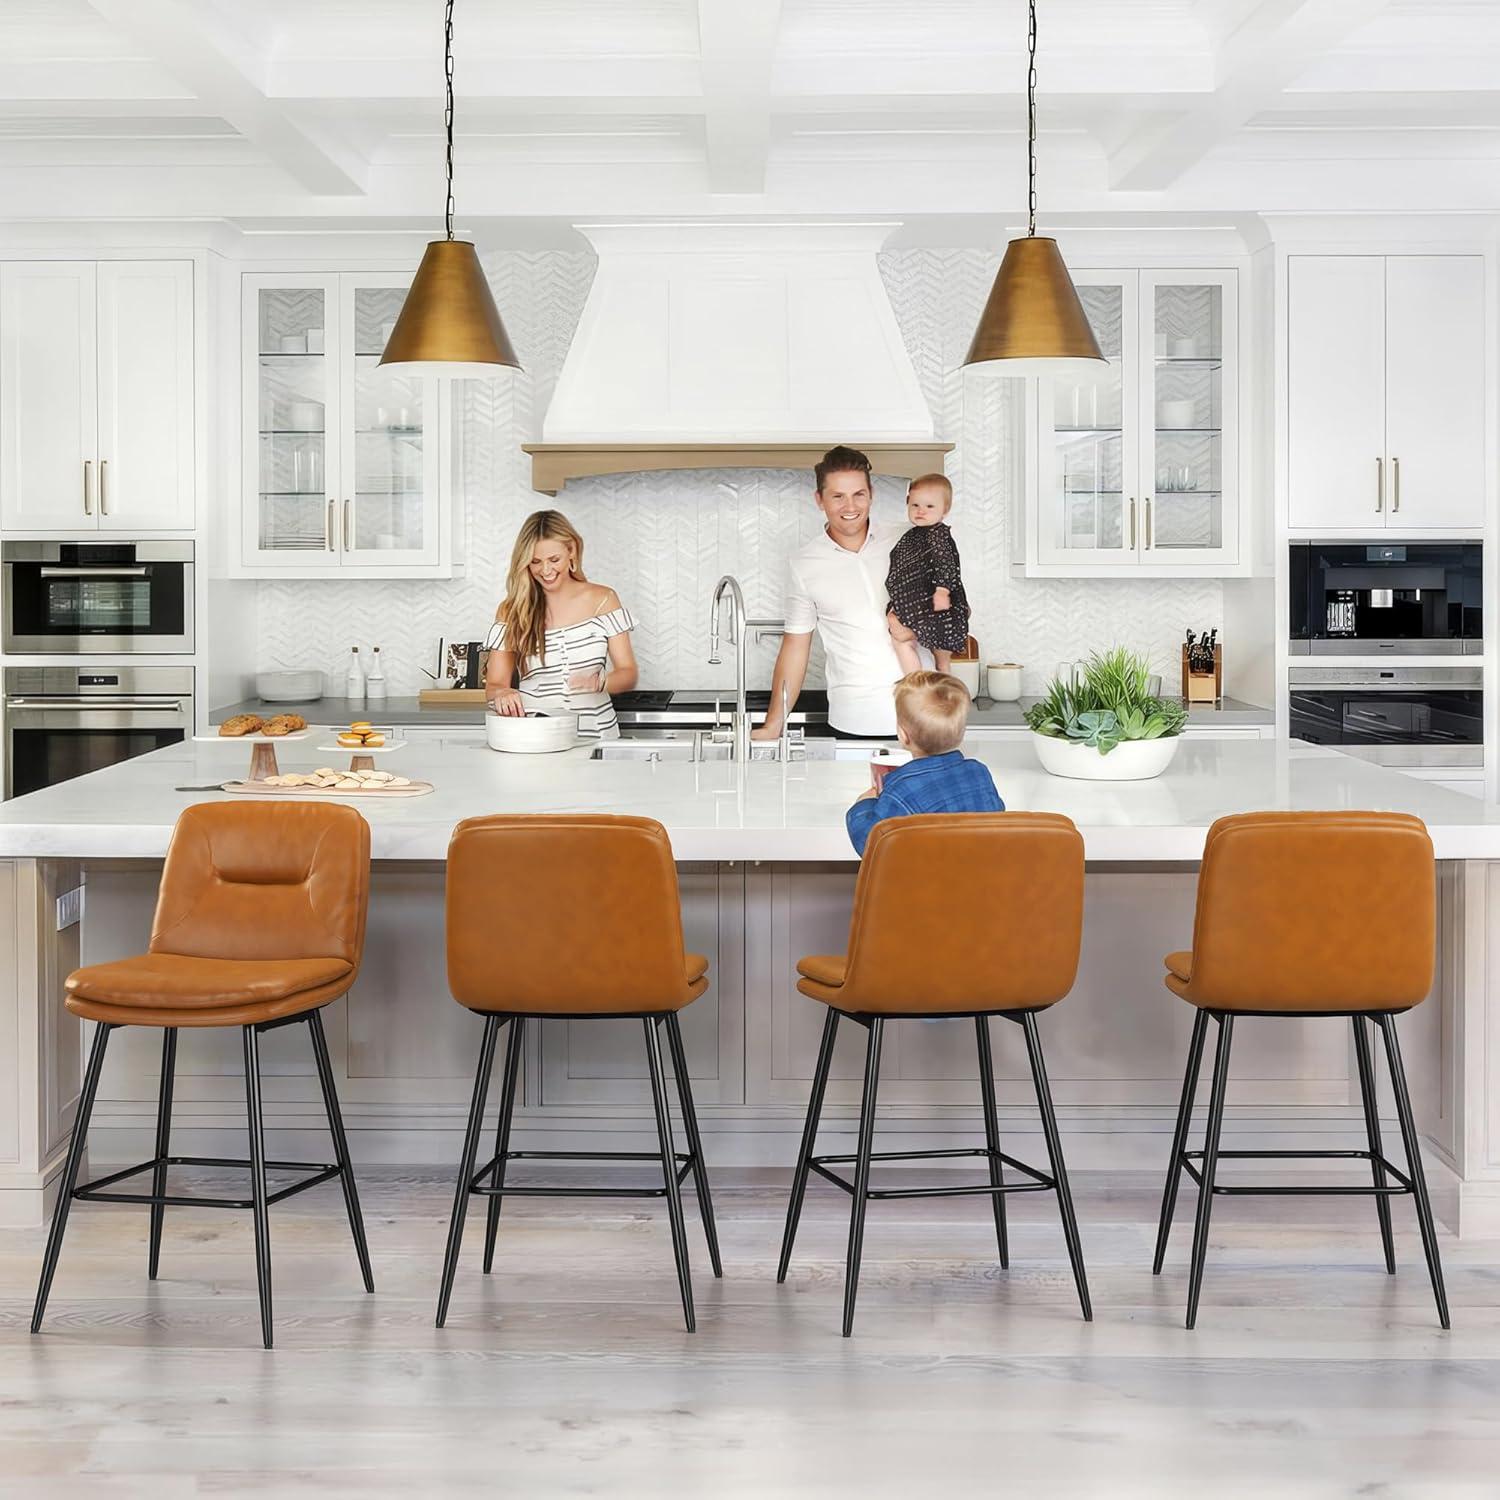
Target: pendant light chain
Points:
(1030, 118)
(448, 112)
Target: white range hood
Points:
(734, 346)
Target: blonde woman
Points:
(569, 638)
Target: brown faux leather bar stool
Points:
(1012, 899)
(1307, 914)
(260, 922)
(571, 917)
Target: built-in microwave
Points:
(1385, 598)
(87, 597)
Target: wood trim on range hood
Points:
(553, 464)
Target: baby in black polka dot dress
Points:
(925, 590)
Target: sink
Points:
(700, 748)
(643, 749)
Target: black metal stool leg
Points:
(1387, 1024)
(862, 1172)
(466, 1164)
(1055, 1157)
(163, 1144)
(695, 1140)
(340, 1146)
(1372, 1134)
(260, 1208)
(502, 1136)
(992, 1132)
(1179, 1138)
(1210, 1162)
(70, 1170)
(809, 1140)
(669, 1169)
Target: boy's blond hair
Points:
(933, 482)
(933, 709)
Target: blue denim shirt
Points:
(934, 784)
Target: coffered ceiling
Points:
(266, 112)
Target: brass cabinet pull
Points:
(1395, 485)
(348, 529)
(88, 493)
(1379, 485)
(1132, 523)
(1148, 523)
(328, 527)
(103, 486)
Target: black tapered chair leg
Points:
(669, 1169)
(502, 1136)
(862, 1172)
(163, 1145)
(992, 1132)
(260, 1209)
(1210, 1163)
(70, 1171)
(694, 1139)
(809, 1140)
(1372, 1135)
(1387, 1024)
(1179, 1138)
(466, 1164)
(340, 1146)
(1055, 1157)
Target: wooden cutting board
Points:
(449, 697)
(264, 789)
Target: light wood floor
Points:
(568, 1372)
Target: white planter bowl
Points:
(1132, 760)
(543, 735)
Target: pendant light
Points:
(449, 325)
(1033, 323)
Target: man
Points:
(837, 587)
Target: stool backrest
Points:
(1316, 911)
(265, 881)
(563, 912)
(966, 912)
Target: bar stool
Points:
(1011, 890)
(1307, 914)
(571, 918)
(260, 922)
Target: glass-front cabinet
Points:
(1134, 468)
(344, 463)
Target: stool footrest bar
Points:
(1402, 1185)
(686, 1162)
(1040, 1182)
(318, 1172)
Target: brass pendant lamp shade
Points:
(449, 325)
(1033, 323)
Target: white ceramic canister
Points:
(967, 673)
(1002, 681)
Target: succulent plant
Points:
(1108, 706)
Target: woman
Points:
(570, 637)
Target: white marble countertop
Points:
(764, 811)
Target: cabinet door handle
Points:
(348, 529)
(328, 527)
(103, 486)
(88, 486)
(1395, 485)
(1379, 485)
(1148, 523)
(1132, 523)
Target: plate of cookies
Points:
(253, 728)
(328, 782)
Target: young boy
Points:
(932, 710)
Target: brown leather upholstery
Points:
(567, 915)
(959, 912)
(1317, 911)
(261, 914)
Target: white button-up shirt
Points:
(842, 594)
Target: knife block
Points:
(1203, 687)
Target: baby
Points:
(924, 589)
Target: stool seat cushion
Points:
(822, 976)
(174, 989)
(564, 1000)
(1179, 971)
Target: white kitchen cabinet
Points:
(345, 470)
(1135, 470)
(1385, 393)
(96, 396)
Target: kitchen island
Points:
(767, 875)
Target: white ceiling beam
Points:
(737, 46)
(1274, 42)
(226, 74)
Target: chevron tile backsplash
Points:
(662, 540)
